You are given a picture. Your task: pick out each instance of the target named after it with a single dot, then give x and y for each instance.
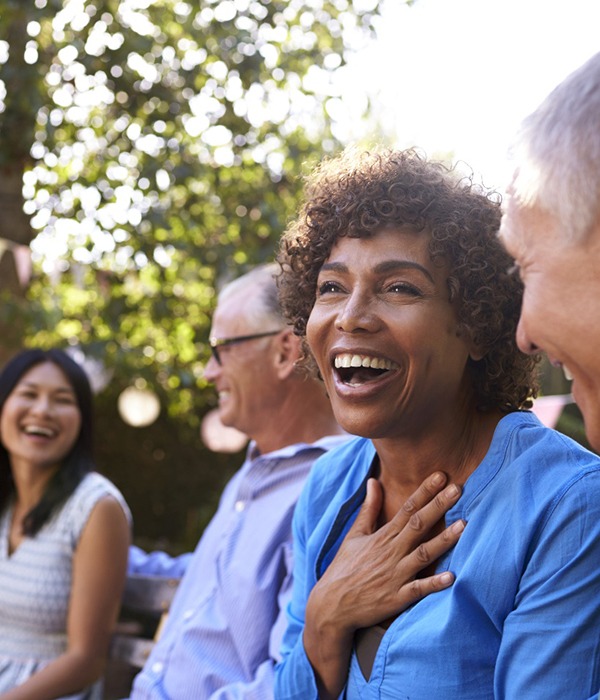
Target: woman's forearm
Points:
(69, 673)
(328, 646)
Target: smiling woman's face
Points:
(40, 420)
(386, 337)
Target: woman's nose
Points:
(357, 313)
(42, 404)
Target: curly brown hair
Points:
(358, 193)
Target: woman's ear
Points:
(288, 352)
(475, 350)
(477, 353)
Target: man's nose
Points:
(211, 369)
(524, 341)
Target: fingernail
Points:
(438, 479)
(446, 578)
(453, 490)
(458, 526)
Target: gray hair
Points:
(557, 153)
(261, 281)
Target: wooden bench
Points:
(145, 605)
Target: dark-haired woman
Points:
(394, 276)
(64, 534)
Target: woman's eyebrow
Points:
(391, 265)
(58, 390)
(334, 267)
(383, 267)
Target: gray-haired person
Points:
(551, 227)
(223, 633)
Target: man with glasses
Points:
(222, 636)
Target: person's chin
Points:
(592, 428)
(226, 418)
(592, 434)
(589, 405)
(226, 414)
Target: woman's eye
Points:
(65, 400)
(405, 288)
(26, 394)
(328, 288)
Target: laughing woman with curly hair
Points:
(452, 549)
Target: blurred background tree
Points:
(150, 150)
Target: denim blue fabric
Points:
(521, 621)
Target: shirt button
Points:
(239, 506)
(187, 614)
(157, 667)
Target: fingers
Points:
(412, 529)
(366, 520)
(420, 588)
(426, 553)
(434, 511)
(426, 506)
(431, 550)
(426, 492)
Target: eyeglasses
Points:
(217, 343)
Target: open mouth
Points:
(566, 371)
(356, 370)
(38, 431)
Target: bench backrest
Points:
(145, 605)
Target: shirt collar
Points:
(325, 443)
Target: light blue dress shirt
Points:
(521, 621)
(226, 621)
(157, 563)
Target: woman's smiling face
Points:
(386, 337)
(41, 419)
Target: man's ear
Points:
(288, 349)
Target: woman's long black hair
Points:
(77, 463)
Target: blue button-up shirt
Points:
(224, 628)
(522, 619)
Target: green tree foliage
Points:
(161, 144)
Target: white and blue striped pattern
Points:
(225, 625)
(35, 584)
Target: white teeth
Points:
(566, 372)
(38, 430)
(347, 360)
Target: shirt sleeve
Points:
(156, 563)
(550, 643)
(294, 676)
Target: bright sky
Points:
(457, 76)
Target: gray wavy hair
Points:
(556, 153)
